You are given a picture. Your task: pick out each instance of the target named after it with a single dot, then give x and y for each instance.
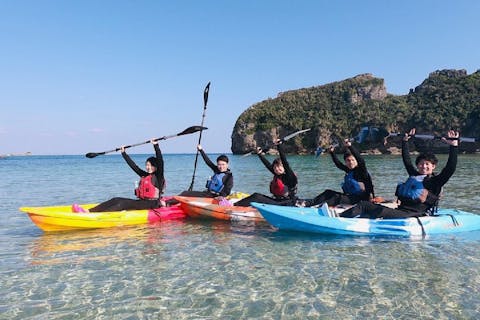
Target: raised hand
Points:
(452, 138)
(409, 135)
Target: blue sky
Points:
(88, 76)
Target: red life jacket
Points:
(147, 189)
(278, 188)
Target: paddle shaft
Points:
(433, 137)
(205, 101)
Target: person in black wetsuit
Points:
(149, 191)
(220, 184)
(283, 185)
(357, 185)
(419, 195)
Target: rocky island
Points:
(446, 99)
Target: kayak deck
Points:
(61, 218)
(316, 221)
(197, 207)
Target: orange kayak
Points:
(210, 208)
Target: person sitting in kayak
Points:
(419, 195)
(357, 184)
(148, 192)
(283, 185)
(220, 183)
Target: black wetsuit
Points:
(288, 178)
(360, 174)
(432, 183)
(119, 204)
(227, 181)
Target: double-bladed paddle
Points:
(189, 130)
(434, 137)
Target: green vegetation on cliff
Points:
(446, 99)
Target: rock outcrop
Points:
(446, 99)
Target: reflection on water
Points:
(212, 269)
(76, 246)
(196, 269)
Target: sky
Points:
(85, 76)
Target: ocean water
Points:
(195, 269)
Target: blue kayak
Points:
(317, 220)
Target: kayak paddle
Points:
(433, 137)
(205, 100)
(189, 130)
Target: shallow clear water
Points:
(215, 270)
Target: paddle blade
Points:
(362, 135)
(192, 129)
(205, 95)
(91, 155)
(290, 136)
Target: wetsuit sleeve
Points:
(133, 165)
(266, 163)
(160, 169)
(290, 175)
(407, 161)
(449, 169)
(208, 161)
(227, 185)
(361, 172)
(338, 163)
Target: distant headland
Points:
(446, 99)
(6, 155)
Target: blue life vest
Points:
(411, 189)
(350, 185)
(215, 183)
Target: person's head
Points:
(350, 160)
(151, 165)
(222, 163)
(426, 163)
(278, 166)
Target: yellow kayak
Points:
(61, 218)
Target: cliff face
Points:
(446, 99)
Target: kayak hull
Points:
(313, 220)
(61, 218)
(208, 208)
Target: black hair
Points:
(277, 162)
(427, 157)
(222, 157)
(153, 161)
(347, 154)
